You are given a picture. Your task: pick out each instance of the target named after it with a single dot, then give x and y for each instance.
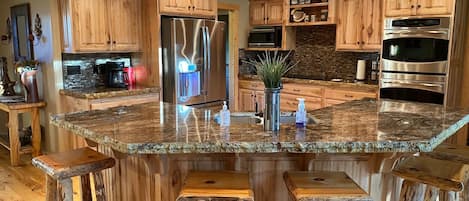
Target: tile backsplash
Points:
(81, 70)
(316, 56)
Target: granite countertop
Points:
(95, 93)
(363, 126)
(321, 83)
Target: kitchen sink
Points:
(253, 118)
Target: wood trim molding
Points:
(233, 17)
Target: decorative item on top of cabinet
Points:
(311, 12)
(265, 12)
(359, 25)
(101, 25)
(405, 8)
(198, 8)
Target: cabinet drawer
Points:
(302, 90)
(123, 101)
(289, 102)
(254, 85)
(347, 95)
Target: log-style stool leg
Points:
(66, 189)
(85, 187)
(51, 188)
(99, 186)
(411, 191)
(431, 193)
(448, 196)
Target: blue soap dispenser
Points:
(301, 114)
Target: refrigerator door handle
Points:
(209, 56)
(204, 66)
(206, 58)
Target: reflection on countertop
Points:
(362, 126)
(321, 83)
(95, 93)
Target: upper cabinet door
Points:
(176, 6)
(372, 24)
(274, 12)
(349, 25)
(400, 8)
(90, 25)
(435, 7)
(125, 25)
(257, 12)
(204, 7)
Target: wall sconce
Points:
(7, 36)
(37, 31)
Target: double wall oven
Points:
(415, 59)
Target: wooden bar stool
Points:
(62, 167)
(216, 186)
(444, 178)
(323, 186)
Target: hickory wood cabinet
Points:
(404, 8)
(207, 8)
(265, 12)
(251, 94)
(101, 25)
(359, 25)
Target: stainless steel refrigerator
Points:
(193, 59)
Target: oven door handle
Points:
(419, 85)
(413, 83)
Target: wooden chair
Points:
(444, 178)
(323, 186)
(62, 167)
(216, 186)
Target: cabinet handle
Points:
(113, 42)
(412, 6)
(267, 19)
(349, 96)
(363, 42)
(358, 42)
(193, 7)
(296, 90)
(419, 6)
(108, 42)
(188, 7)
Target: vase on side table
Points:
(28, 79)
(272, 109)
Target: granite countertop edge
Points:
(107, 93)
(261, 147)
(322, 83)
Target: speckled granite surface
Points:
(321, 83)
(94, 93)
(364, 126)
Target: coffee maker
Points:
(115, 77)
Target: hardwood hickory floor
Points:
(25, 182)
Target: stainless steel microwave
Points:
(265, 37)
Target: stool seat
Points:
(60, 167)
(73, 163)
(323, 185)
(450, 152)
(442, 174)
(218, 184)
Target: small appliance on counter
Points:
(115, 77)
(361, 68)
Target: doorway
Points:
(229, 13)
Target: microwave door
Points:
(216, 60)
(189, 61)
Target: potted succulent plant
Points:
(271, 67)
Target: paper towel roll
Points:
(361, 68)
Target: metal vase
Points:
(272, 109)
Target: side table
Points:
(13, 110)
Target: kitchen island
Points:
(156, 144)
